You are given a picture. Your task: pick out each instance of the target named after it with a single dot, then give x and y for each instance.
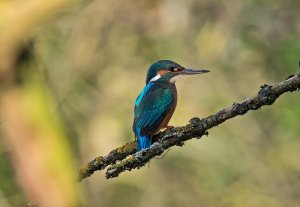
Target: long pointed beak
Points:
(192, 71)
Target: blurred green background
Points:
(93, 57)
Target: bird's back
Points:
(153, 109)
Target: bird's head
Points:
(167, 70)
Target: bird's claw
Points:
(169, 127)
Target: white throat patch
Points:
(175, 78)
(155, 78)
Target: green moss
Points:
(98, 160)
(123, 163)
(83, 171)
(129, 147)
(130, 159)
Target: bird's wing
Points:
(151, 108)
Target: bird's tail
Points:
(144, 142)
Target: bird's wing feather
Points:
(152, 108)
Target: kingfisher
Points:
(156, 103)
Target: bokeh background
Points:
(86, 62)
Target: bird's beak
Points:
(192, 71)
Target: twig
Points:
(178, 135)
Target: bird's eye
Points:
(173, 69)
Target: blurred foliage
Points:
(93, 58)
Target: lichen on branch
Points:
(129, 159)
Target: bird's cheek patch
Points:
(162, 72)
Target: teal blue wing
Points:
(152, 106)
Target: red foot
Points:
(169, 127)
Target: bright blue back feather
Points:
(144, 91)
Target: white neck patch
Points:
(155, 78)
(175, 78)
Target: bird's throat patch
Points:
(175, 78)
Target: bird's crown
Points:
(159, 65)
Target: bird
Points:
(157, 101)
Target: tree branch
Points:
(178, 135)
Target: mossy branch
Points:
(178, 135)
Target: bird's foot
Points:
(169, 127)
